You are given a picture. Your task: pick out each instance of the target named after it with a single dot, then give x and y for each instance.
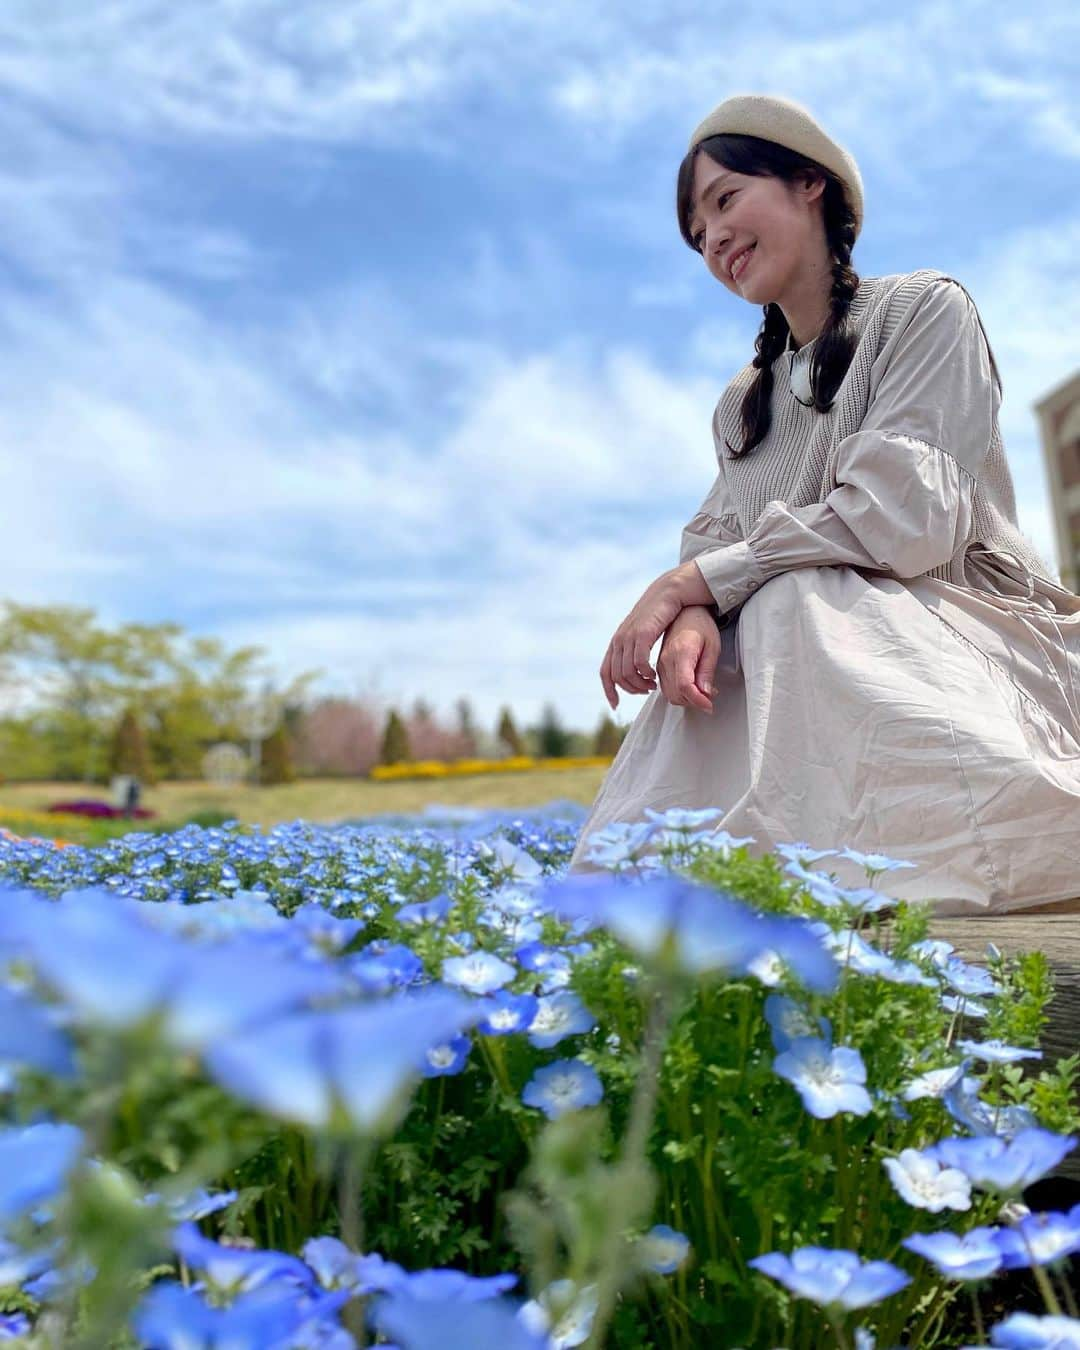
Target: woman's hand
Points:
(688, 657)
(626, 661)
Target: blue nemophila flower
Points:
(450, 1324)
(832, 1279)
(974, 1255)
(446, 1058)
(701, 929)
(681, 820)
(514, 864)
(829, 1080)
(34, 1162)
(565, 1085)
(14, 1325)
(934, 1082)
(537, 956)
(322, 932)
(273, 1317)
(436, 1285)
(789, 1021)
(332, 1263)
(923, 1182)
(115, 969)
(803, 852)
(866, 959)
(996, 1052)
(29, 1034)
(195, 1205)
(557, 1016)
(561, 1313)
(335, 1266)
(862, 900)
(479, 972)
(1005, 1165)
(966, 979)
(382, 966)
(505, 1013)
(1040, 1239)
(875, 862)
(236, 1270)
(662, 1249)
(311, 1067)
(935, 950)
(425, 911)
(620, 843)
(1025, 1331)
(17, 1266)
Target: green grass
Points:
(316, 799)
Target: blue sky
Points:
(364, 330)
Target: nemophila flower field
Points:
(419, 1087)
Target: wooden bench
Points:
(1058, 937)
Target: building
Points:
(1059, 426)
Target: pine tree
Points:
(608, 738)
(551, 736)
(395, 742)
(275, 763)
(128, 753)
(508, 735)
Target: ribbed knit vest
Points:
(795, 461)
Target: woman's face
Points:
(781, 220)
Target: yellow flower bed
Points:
(437, 768)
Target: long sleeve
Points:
(905, 479)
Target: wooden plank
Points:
(1058, 937)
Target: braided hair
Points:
(835, 345)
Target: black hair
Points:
(835, 345)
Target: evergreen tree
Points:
(608, 737)
(395, 742)
(552, 737)
(128, 753)
(275, 763)
(508, 736)
(466, 727)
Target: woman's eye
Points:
(722, 198)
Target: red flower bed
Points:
(99, 810)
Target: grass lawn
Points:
(327, 799)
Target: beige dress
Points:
(858, 700)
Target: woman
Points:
(860, 648)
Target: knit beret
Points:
(775, 118)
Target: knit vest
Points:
(796, 460)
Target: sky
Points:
(364, 331)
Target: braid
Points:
(835, 344)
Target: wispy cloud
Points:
(364, 331)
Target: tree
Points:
(508, 735)
(608, 737)
(275, 763)
(466, 727)
(551, 736)
(128, 753)
(395, 743)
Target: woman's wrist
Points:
(691, 587)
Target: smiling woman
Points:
(859, 646)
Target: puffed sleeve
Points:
(715, 525)
(905, 479)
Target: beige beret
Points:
(779, 119)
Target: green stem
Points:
(632, 1158)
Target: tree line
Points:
(80, 700)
